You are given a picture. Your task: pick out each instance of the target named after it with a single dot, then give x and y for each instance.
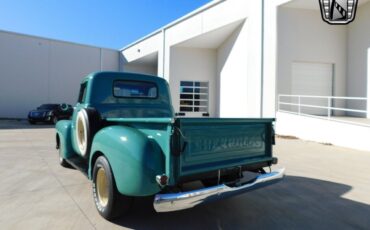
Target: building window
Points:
(193, 96)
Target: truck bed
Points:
(209, 144)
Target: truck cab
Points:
(125, 137)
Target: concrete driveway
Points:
(326, 187)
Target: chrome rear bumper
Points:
(178, 201)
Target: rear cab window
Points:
(135, 89)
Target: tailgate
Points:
(215, 143)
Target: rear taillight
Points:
(162, 180)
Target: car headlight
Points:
(50, 113)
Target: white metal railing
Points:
(300, 104)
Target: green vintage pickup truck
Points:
(124, 136)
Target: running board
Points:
(79, 164)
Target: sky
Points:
(110, 23)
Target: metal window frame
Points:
(193, 93)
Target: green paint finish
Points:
(100, 95)
(135, 159)
(141, 138)
(142, 120)
(64, 133)
(212, 144)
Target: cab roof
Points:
(122, 75)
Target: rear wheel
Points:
(31, 122)
(108, 201)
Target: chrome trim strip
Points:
(184, 200)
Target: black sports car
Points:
(50, 113)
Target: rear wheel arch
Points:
(93, 159)
(143, 158)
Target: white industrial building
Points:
(36, 70)
(229, 58)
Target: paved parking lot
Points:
(326, 187)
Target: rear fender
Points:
(134, 158)
(63, 129)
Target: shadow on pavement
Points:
(294, 203)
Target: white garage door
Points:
(315, 79)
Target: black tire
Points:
(92, 120)
(109, 202)
(62, 161)
(31, 122)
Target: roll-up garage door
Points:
(314, 79)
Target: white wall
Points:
(238, 75)
(270, 56)
(323, 131)
(67, 64)
(143, 48)
(211, 19)
(368, 84)
(36, 70)
(193, 64)
(23, 74)
(358, 44)
(304, 37)
(146, 47)
(217, 16)
(109, 59)
(232, 71)
(141, 68)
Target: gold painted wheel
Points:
(108, 200)
(102, 187)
